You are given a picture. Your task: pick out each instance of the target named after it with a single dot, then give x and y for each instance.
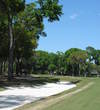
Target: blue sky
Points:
(79, 27)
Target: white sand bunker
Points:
(15, 97)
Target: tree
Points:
(61, 63)
(10, 8)
(68, 60)
(94, 55)
(77, 59)
(24, 47)
(51, 68)
(3, 44)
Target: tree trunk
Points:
(10, 60)
(4, 66)
(17, 67)
(1, 66)
(79, 70)
(72, 70)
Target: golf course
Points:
(49, 54)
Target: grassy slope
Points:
(88, 99)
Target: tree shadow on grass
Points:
(28, 81)
(75, 82)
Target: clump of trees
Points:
(74, 62)
(21, 26)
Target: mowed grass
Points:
(88, 99)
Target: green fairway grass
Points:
(88, 99)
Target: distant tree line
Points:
(74, 62)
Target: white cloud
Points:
(73, 16)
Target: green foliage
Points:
(50, 9)
(12, 6)
(94, 55)
(51, 68)
(21, 26)
(73, 62)
(76, 59)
